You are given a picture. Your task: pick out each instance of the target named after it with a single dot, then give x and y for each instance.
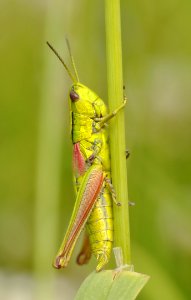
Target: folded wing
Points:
(86, 198)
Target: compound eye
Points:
(74, 96)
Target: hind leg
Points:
(85, 253)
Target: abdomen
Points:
(100, 228)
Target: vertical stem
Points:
(117, 126)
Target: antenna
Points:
(62, 61)
(72, 59)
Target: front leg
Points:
(102, 121)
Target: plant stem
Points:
(117, 126)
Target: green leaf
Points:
(111, 286)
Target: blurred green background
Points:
(36, 194)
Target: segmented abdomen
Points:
(100, 228)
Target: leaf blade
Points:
(107, 285)
(127, 285)
(95, 286)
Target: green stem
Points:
(117, 126)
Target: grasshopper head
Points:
(82, 99)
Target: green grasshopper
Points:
(92, 175)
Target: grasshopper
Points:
(92, 175)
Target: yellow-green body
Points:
(92, 139)
(91, 160)
(94, 191)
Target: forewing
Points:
(86, 198)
